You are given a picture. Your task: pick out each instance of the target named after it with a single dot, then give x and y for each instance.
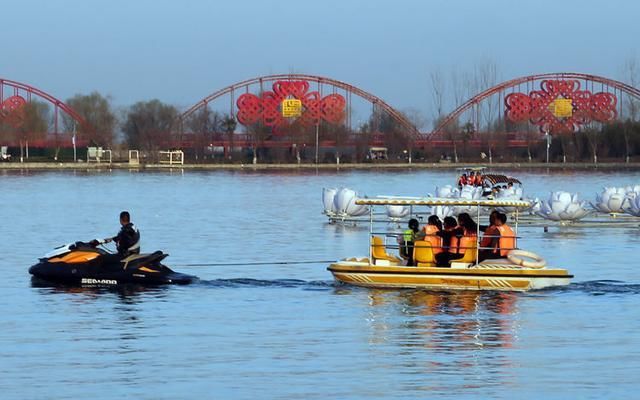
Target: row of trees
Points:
(617, 142)
(151, 125)
(145, 125)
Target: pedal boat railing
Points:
(435, 201)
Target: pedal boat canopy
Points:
(437, 201)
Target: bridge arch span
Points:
(606, 84)
(14, 94)
(243, 87)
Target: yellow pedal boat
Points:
(383, 270)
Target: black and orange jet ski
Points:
(83, 263)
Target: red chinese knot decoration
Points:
(560, 106)
(12, 111)
(267, 107)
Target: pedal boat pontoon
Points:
(383, 270)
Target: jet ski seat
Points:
(151, 257)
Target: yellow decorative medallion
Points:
(291, 108)
(562, 108)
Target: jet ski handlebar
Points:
(92, 243)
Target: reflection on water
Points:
(129, 293)
(447, 321)
(448, 341)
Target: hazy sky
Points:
(180, 51)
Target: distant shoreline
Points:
(326, 167)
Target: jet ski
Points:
(82, 263)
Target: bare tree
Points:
(363, 139)
(453, 133)
(457, 87)
(35, 125)
(97, 112)
(486, 76)
(259, 133)
(632, 76)
(203, 124)
(592, 135)
(416, 117)
(438, 88)
(228, 125)
(397, 139)
(467, 133)
(461, 89)
(149, 125)
(531, 136)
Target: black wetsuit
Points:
(126, 239)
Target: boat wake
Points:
(594, 288)
(598, 288)
(275, 283)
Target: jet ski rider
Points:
(128, 239)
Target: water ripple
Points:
(598, 287)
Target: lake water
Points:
(288, 331)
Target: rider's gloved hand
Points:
(94, 242)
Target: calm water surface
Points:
(288, 331)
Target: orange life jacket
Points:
(468, 241)
(507, 240)
(435, 240)
(490, 237)
(453, 245)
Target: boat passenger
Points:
(507, 240)
(431, 230)
(492, 218)
(409, 236)
(466, 236)
(448, 233)
(471, 179)
(479, 178)
(128, 238)
(463, 180)
(489, 243)
(466, 222)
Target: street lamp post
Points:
(317, 131)
(73, 141)
(547, 136)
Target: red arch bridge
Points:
(521, 109)
(14, 97)
(268, 111)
